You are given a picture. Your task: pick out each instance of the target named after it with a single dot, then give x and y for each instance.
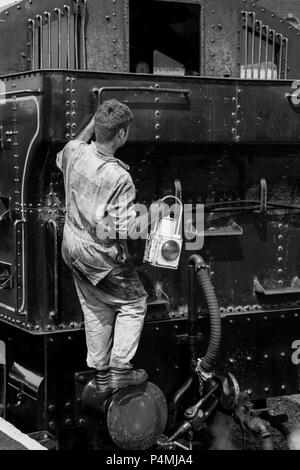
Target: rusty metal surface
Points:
(216, 111)
(220, 51)
(107, 36)
(105, 41)
(223, 53)
(260, 351)
(102, 35)
(227, 178)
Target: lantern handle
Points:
(180, 213)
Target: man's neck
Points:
(109, 147)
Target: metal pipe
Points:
(17, 264)
(100, 91)
(191, 413)
(58, 11)
(259, 22)
(47, 14)
(83, 19)
(280, 54)
(32, 22)
(252, 43)
(192, 306)
(246, 13)
(68, 35)
(181, 446)
(267, 28)
(180, 393)
(272, 31)
(185, 426)
(76, 35)
(209, 410)
(286, 57)
(40, 19)
(53, 224)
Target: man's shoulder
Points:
(74, 144)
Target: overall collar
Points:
(105, 155)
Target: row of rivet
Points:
(236, 115)
(70, 108)
(232, 309)
(266, 389)
(279, 255)
(126, 22)
(266, 318)
(157, 116)
(14, 134)
(212, 40)
(255, 308)
(49, 327)
(115, 38)
(18, 204)
(249, 358)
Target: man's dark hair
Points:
(110, 117)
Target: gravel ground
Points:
(289, 405)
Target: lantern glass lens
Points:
(170, 250)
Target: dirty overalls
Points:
(111, 294)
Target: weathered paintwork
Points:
(225, 139)
(108, 40)
(196, 144)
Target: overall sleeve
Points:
(121, 207)
(71, 147)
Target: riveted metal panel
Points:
(265, 113)
(107, 35)
(224, 27)
(15, 55)
(165, 109)
(221, 22)
(261, 351)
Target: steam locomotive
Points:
(214, 92)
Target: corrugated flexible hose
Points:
(214, 312)
(215, 319)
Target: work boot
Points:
(120, 378)
(102, 379)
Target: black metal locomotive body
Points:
(227, 129)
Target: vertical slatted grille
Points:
(264, 51)
(57, 38)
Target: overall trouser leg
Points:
(99, 320)
(113, 326)
(128, 327)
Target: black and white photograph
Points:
(149, 228)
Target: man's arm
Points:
(86, 134)
(122, 210)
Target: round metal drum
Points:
(137, 416)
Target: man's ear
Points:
(122, 133)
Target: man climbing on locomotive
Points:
(100, 216)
